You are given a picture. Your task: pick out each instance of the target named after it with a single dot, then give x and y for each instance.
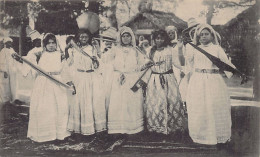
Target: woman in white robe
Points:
(208, 104)
(87, 115)
(48, 104)
(8, 67)
(125, 112)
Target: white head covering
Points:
(57, 43)
(170, 28)
(34, 35)
(199, 28)
(110, 33)
(174, 29)
(123, 30)
(6, 39)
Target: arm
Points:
(189, 59)
(175, 58)
(223, 57)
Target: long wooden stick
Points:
(41, 71)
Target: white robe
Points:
(208, 104)
(88, 114)
(125, 111)
(48, 105)
(7, 85)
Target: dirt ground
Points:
(244, 140)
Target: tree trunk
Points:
(112, 17)
(209, 14)
(93, 7)
(22, 38)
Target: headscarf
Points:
(44, 39)
(199, 28)
(6, 39)
(123, 30)
(174, 29)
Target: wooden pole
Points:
(22, 38)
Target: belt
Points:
(162, 79)
(167, 72)
(51, 73)
(210, 71)
(87, 71)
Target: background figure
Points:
(208, 104)
(8, 72)
(25, 81)
(48, 104)
(36, 42)
(172, 33)
(164, 110)
(188, 36)
(125, 113)
(107, 58)
(144, 45)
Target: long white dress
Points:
(5, 87)
(88, 114)
(48, 105)
(208, 105)
(125, 112)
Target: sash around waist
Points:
(167, 72)
(87, 71)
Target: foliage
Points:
(215, 5)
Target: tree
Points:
(215, 5)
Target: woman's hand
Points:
(147, 65)
(95, 62)
(5, 75)
(122, 79)
(180, 43)
(17, 58)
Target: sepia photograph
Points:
(130, 78)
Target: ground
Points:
(244, 140)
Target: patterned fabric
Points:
(164, 110)
(208, 104)
(87, 113)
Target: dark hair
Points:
(47, 38)
(164, 34)
(69, 38)
(155, 34)
(82, 31)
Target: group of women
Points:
(130, 92)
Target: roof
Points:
(159, 19)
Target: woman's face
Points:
(51, 45)
(205, 37)
(126, 39)
(159, 40)
(171, 35)
(84, 39)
